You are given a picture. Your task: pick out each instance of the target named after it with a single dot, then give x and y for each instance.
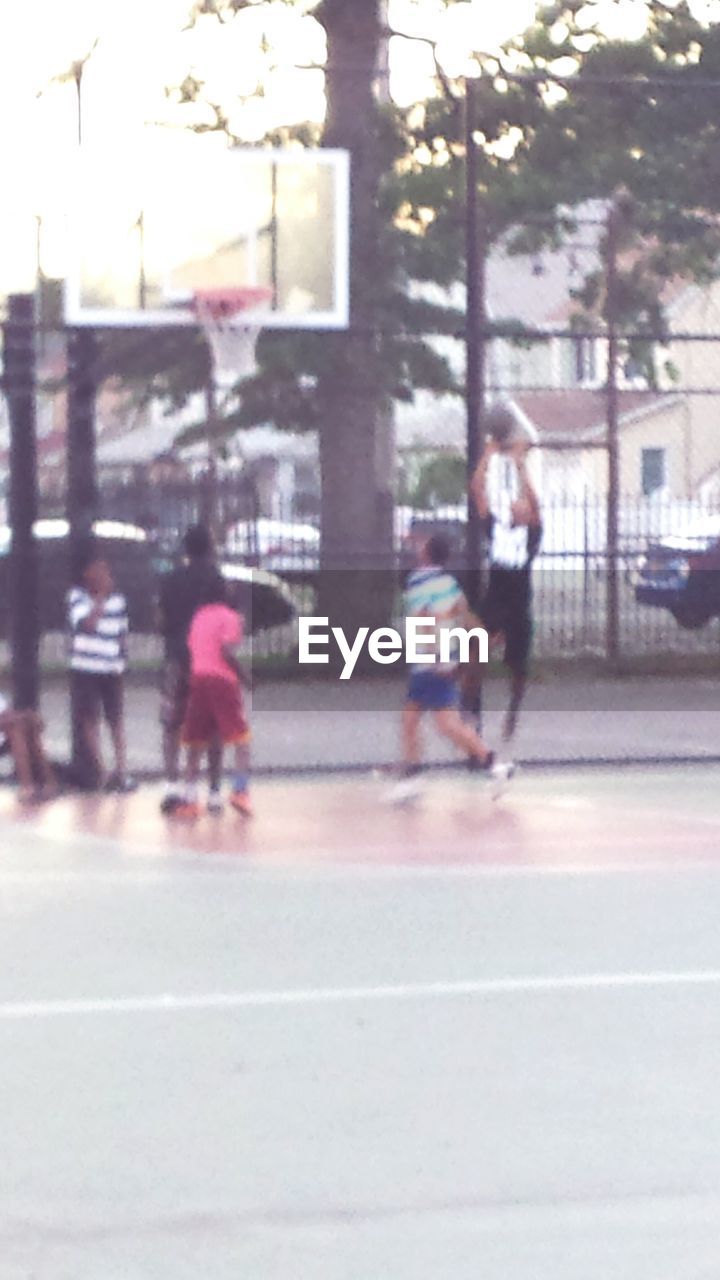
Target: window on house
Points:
(585, 355)
(652, 468)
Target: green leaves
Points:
(638, 114)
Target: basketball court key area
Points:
(346, 1042)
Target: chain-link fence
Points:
(623, 411)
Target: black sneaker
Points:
(121, 786)
(171, 802)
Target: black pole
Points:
(475, 329)
(82, 492)
(211, 513)
(274, 269)
(142, 283)
(82, 486)
(20, 385)
(612, 642)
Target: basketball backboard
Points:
(186, 212)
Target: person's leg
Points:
(197, 733)
(407, 788)
(113, 693)
(471, 690)
(411, 739)
(189, 806)
(215, 802)
(171, 753)
(90, 723)
(240, 798)
(87, 706)
(41, 767)
(90, 727)
(215, 766)
(13, 725)
(517, 654)
(518, 685)
(232, 730)
(451, 725)
(173, 705)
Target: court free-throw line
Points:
(209, 1001)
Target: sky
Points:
(141, 48)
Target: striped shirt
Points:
(103, 650)
(434, 593)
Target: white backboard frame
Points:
(337, 317)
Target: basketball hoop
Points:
(231, 340)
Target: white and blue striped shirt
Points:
(433, 592)
(102, 651)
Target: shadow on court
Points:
(346, 1042)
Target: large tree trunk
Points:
(356, 455)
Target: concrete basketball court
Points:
(344, 1042)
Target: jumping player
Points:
(215, 712)
(433, 592)
(506, 611)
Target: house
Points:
(669, 433)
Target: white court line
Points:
(168, 1003)
(179, 868)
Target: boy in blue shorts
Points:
(433, 592)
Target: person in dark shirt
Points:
(506, 611)
(182, 592)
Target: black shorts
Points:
(513, 621)
(98, 694)
(174, 693)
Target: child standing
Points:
(98, 624)
(215, 712)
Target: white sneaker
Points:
(406, 791)
(502, 770)
(500, 775)
(215, 802)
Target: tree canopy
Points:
(565, 113)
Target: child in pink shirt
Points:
(215, 711)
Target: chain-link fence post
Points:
(82, 492)
(475, 338)
(612, 638)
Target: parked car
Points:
(416, 527)
(137, 562)
(264, 599)
(129, 553)
(277, 545)
(681, 572)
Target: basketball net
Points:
(230, 339)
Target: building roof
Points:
(579, 416)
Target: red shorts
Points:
(214, 713)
